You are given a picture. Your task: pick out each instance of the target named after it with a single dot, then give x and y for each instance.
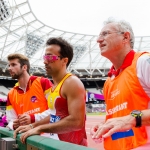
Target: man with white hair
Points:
(126, 91)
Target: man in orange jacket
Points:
(126, 91)
(27, 100)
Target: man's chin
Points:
(49, 75)
(14, 77)
(104, 53)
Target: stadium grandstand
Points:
(22, 32)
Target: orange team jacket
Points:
(123, 94)
(33, 100)
(59, 110)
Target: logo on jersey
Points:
(117, 108)
(33, 99)
(114, 94)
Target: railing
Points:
(41, 143)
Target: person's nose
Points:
(100, 39)
(45, 61)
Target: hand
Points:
(24, 119)
(16, 124)
(115, 125)
(21, 129)
(93, 131)
(34, 131)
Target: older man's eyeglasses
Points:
(105, 33)
(51, 57)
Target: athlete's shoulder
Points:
(73, 81)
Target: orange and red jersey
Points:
(32, 101)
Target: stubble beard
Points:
(16, 76)
(49, 74)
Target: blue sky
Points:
(87, 16)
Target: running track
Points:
(89, 122)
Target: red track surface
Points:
(91, 120)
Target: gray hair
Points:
(123, 27)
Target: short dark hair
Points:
(66, 49)
(23, 60)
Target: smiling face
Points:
(110, 40)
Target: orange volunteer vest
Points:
(124, 94)
(31, 102)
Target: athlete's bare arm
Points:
(73, 90)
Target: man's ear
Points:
(126, 37)
(65, 60)
(24, 67)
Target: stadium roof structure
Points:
(22, 32)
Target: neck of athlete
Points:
(23, 81)
(59, 76)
